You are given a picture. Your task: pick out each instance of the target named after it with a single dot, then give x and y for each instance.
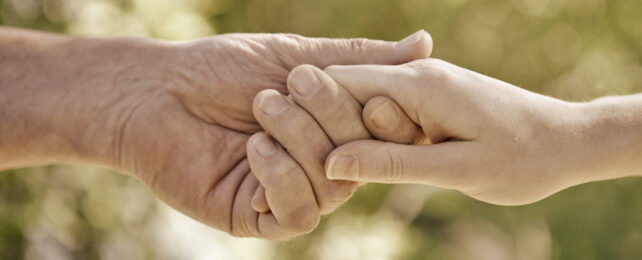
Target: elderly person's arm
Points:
(59, 95)
(494, 141)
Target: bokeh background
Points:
(571, 49)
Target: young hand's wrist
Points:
(612, 137)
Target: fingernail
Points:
(385, 117)
(343, 166)
(273, 104)
(412, 39)
(264, 145)
(305, 82)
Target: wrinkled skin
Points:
(185, 136)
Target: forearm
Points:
(62, 98)
(613, 137)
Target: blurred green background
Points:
(571, 49)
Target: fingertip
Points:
(387, 121)
(342, 166)
(304, 81)
(425, 46)
(411, 40)
(259, 200)
(258, 99)
(269, 103)
(419, 45)
(380, 112)
(329, 160)
(303, 68)
(249, 146)
(261, 144)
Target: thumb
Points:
(325, 52)
(447, 165)
(385, 120)
(365, 82)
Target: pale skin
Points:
(493, 141)
(177, 116)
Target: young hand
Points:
(494, 141)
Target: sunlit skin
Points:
(317, 116)
(494, 141)
(231, 132)
(178, 116)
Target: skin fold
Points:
(178, 116)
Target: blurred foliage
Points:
(571, 49)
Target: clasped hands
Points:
(260, 134)
(374, 123)
(345, 125)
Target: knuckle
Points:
(306, 226)
(435, 70)
(277, 171)
(359, 46)
(284, 169)
(440, 75)
(303, 220)
(291, 38)
(394, 170)
(243, 229)
(336, 112)
(297, 122)
(337, 193)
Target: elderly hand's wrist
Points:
(126, 73)
(70, 95)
